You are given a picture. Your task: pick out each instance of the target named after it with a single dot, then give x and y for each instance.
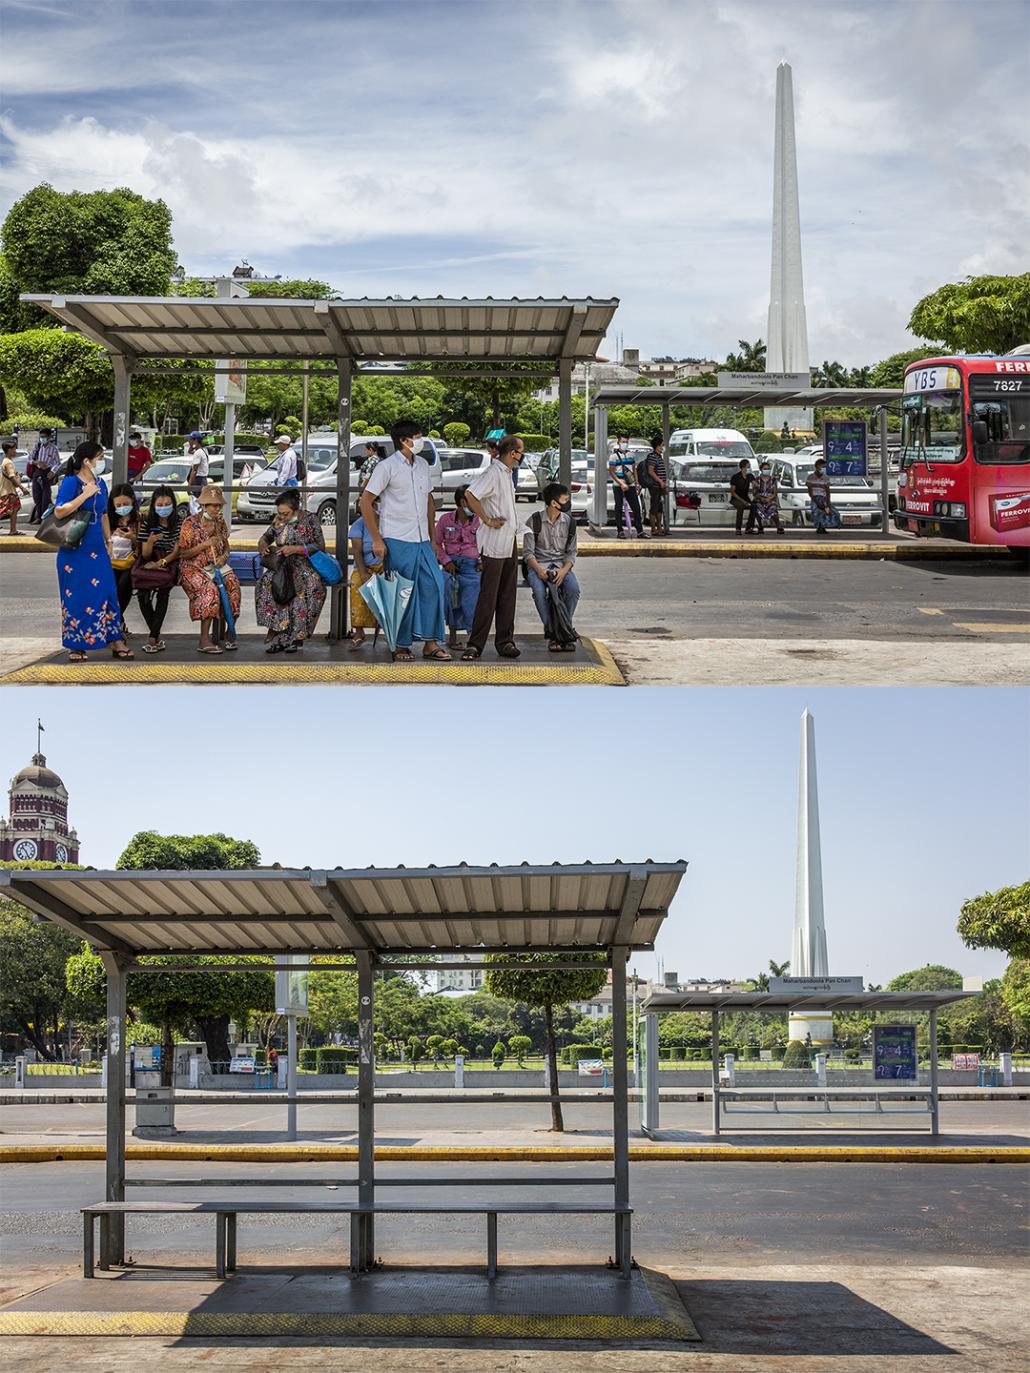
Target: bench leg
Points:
(230, 1255)
(355, 1242)
(491, 1244)
(105, 1242)
(87, 1244)
(220, 1244)
(625, 1247)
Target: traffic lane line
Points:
(987, 627)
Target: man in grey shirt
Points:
(550, 550)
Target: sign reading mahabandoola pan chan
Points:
(894, 1053)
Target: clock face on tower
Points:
(26, 850)
(62, 854)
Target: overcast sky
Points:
(548, 147)
(923, 795)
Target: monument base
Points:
(817, 1024)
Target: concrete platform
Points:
(322, 663)
(539, 1303)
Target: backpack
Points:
(302, 469)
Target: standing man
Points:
(623, 473)
(402, 532)
(492, 497)
(11, 489)
(550, 549)
(286, 463)
(197, 454)
(140, 457)
(654, 467)
(741, 495)
(43, 462)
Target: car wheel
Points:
(326, 514)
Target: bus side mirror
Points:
(980, 435)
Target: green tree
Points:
(891, 371)
(416, 1050)
(998, 920)
(751, 357)
(933, 977)
(520, 1046)
(455, 434)
(434, 1043)
(89, 243)
(34, 1000)
(64, 374)
(1015, 992)
(547, 990)
(830, 374)
(497, 1053)
(987, 314)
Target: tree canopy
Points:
(987, 314)
(998, 920)
(934, 977)
(33, 997)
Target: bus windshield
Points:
(932, 428)
(1008, 427)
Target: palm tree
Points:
(751, 357)
(760, 982)
(860, 376)
(778, 969)
(830, 374)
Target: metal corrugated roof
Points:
(363, 330)
(385, 910)
(815, 397)
(790, 1001)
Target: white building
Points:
(470, 978)
(600, 1006)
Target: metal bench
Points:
(225, 1214)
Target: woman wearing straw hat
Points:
(204, 571)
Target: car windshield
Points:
(1007, 416)
(805, 470)
(320, 458)
(706, 471)
(932, 427)
(175, 471)
(724, 448)
(458, 459)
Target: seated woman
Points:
(457, 549)
(290, 535)
(203, 562)
(767, 498)
(90, 617)
(366, 564)
(123, 517)
(158, 549)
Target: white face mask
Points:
(99, 466)
(208, 515)
(417, 445)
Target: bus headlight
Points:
(955, 509)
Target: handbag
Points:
(325, 565)
(153, 578)
(66, 532)
(283, 590)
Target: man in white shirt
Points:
(286, 463)
(403, 531)
(198, 456)
(492, 497)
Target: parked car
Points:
(723, 444)
(457, 467)
(174, 472)
(547, 467)
(257, 500)
(701, 491)
(855, 497)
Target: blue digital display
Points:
(844, 448)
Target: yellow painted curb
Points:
(641, 1153)
(243, 1324)
(564, 671)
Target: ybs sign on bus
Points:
(965, 450)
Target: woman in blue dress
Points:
(90, 617)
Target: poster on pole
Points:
(230, 382)
(894, 1053)
(291, 984)
(844, 448)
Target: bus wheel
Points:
(1020, 551)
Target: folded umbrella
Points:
(559, 629)
(387, 595)
(223, 592)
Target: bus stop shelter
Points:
(380, 917)
(663, 398)
(750, 1099)
(474, 339)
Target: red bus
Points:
(965, 450)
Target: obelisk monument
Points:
(787, 343)
(808, 952)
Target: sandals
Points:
(402, 655)
(438, 655)
(274, 648)
(212, 649)
(159, 647)
(230, 646)
(471, 655)
(122, 653)
(508, 650)
(291, 648)
(78, 657)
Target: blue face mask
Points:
(164, 510)
(123, 510)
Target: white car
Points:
(702, 444)
(701, 491)
(457, 467)
(855, 497)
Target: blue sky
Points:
(548, 147)
(923, 795)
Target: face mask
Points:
(163, 510)
(208, 515)
(765, 471)
(99, 466)
(623, 447)
(562, 505)
(417, 445)
(294, 517)
(123, 510)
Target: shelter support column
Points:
(112, 1228)
(123, 369)
(934, 1099)
(885, 476)
(599, 509)
(339, 593)
(565, 421)
(366, 1113)
(715, 1072)
(670, 511)
(620, 1109)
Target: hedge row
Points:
(330, 1059)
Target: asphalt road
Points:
(689, 598)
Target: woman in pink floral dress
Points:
(203, 547)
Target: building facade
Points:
(36, 829)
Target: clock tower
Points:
(37, 826)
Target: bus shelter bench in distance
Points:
(225, 1214)
(789, 1101)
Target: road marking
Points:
(926, 610)
(992, 628)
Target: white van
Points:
(722, 445)
(701, 463)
